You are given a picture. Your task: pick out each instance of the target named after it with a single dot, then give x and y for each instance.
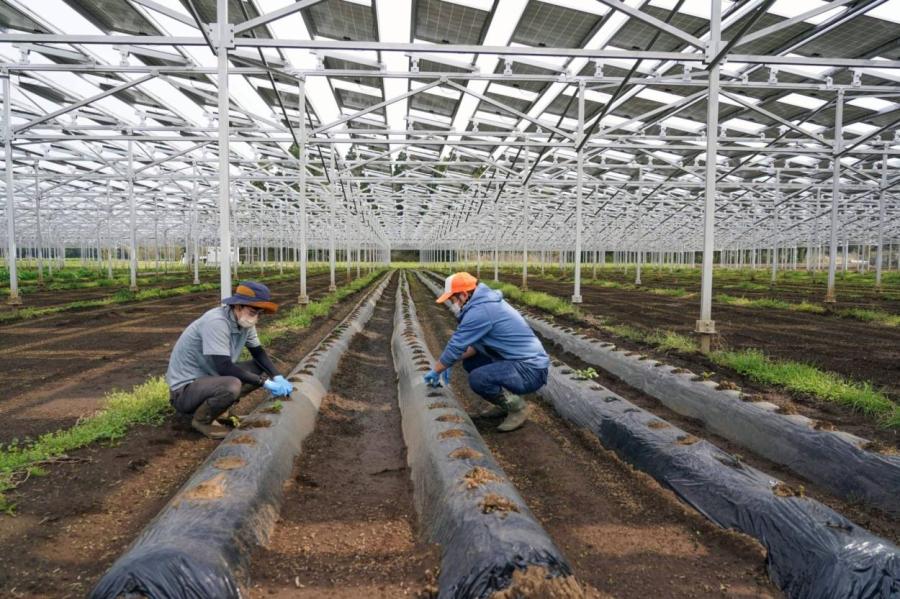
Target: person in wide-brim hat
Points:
(204, 377)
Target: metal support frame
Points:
(579, 196)
(706, 326)
(835, 196)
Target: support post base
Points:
(332, 287)
(14, 301)
(576, 299)
(302, 299)
(133, 288)
(706, 329)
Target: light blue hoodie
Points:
(486, 321)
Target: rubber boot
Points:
(495, 411)
(203, 423)
(517, 412)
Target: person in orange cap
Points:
(504, 358)
(204, 376)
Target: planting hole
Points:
(479, 476)
(658, 424)
(493, 503)
(453, 433)
(450, 418)
(782, 490)
(231, 462)
(687, 440)
(243, 440)
(213, 488)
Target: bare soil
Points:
(849, 293)
(860, 350)
(56, 369)
(622, 533)
(73, 523)
(348, 526)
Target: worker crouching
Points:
(204, 377)
(504, 358)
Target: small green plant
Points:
(277, 406)
(585, 374)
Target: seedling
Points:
(586, 374)
(276, 407)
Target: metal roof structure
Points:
(513, 124)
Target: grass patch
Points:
(147, 403)
(669, 292)
(870, 315)
(769, 303)
(804, 378)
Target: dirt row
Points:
(56, 369)
(623, 533)
(348, 527)
(856, 349)
(848, 294)
(71, 524)
(45, 298)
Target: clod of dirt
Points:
(213, 488)
(656, 424)
(687, 440)
(270, 410)
(497, 503)
(536, 583)
(243, 440)
(478, 476)
(453, 433)
(783, 490)
(464, 453)
(231, 462)
(439, 404)
(824, 425)
(786, 409)
(450, 418)
(727, 386)
(137, 464)
(256, 423)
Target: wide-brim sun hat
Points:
(457, 283)
(251, 293)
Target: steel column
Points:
(224, 36)
(835, 192)
(132, 208)
(579, 193)
(11, 250)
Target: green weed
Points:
(804, 378)
(147, 403)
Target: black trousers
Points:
(219, 391)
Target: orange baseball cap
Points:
(457, 283)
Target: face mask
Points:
(247, 321)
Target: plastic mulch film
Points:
(464, 500)
(812, 551)
(199, 545)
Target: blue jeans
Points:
(488, 377)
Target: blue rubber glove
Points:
(286, 384)
(274, 387)
(432, 379)
(445, 377)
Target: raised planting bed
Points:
(466, 503)
(838, 461)
(200, 543)
(812, 551)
